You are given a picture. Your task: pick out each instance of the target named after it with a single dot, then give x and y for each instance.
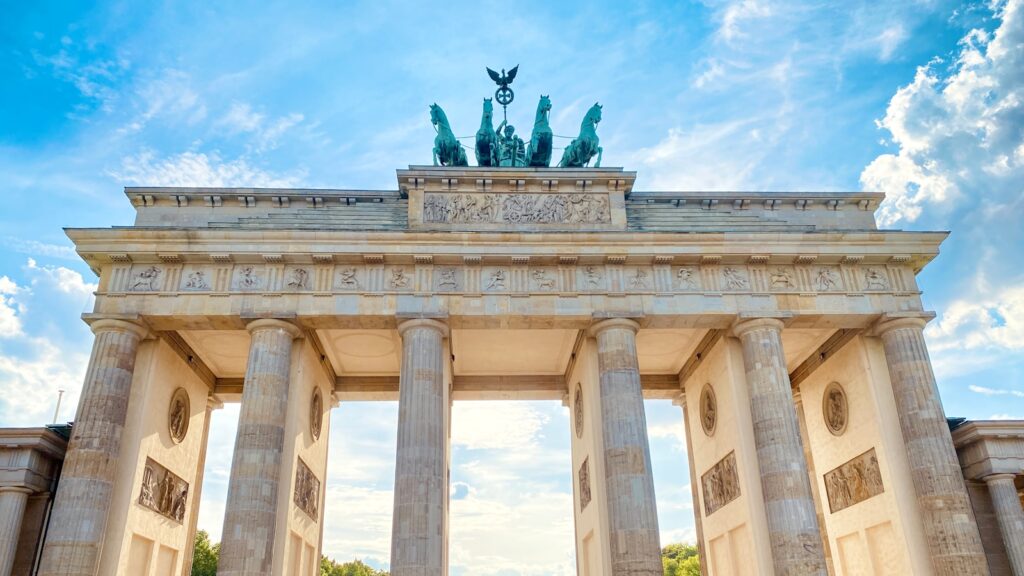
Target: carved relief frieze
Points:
(516, 279)
(449, 208)
(584, 476)
(854, 482)
(163, 491)
(307, 489)
(721, 484)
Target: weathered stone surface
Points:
(79, 518)
(788, 499)
(949, 525)
(1010, 516)
(250, 513)
(632, 512)
(418, 536)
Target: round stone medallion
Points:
(577, 410)
(835, 408)
(178, 415)
(708, 410)
(316, 413)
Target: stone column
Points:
(812, 478)
(247, 541)
(212, 403)
(949, 526)
(785, 484)
(79, 518)
(12, 509)
(698, 517)
(1010, 516)
(421, 485)
(632, 513)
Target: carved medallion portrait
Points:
(708, 410)
(577, 410)
(835, 409)
(178, 415)
(316, 413)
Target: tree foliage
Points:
(680, 560)
(204, 560)
(329, 567)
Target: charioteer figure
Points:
(511, 148)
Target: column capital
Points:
(999, 477)
(274, 324)
(895, 320)
(438, 325)
(16, 489)
(602, 325)
(680, 400)
(744, 324)
(213, 403)
(101, 323)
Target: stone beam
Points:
(191, 358)
(830, 348)
(694, 361)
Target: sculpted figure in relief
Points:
(249, 279)
(146, 280)
(875, 280)
(448, 280)
(542, 280)
(639, 280)
(516, 208)
(854, 481)
(686, 278)
(398, 279)
(826, 279)
(593, 276)
(734, 279)
(496, 281)
(197, 281)
(781, 278)
(299, 279)
(347, 278)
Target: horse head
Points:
(593, 115)
(437, 116)
(488, 115)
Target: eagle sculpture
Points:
(503, 79)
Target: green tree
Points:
(329, 567)
(680, 560)
(204, 560)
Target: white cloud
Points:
(958, 133)
(1004, 417)
(169, 94)
(241, 118)
(36, 248)
(10, 322)
(995, 391)
(195, 169)
(496, 425)
(64, 279)
(737, 13)
(993, 323)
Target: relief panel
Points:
(449, 208)
(721, 484)
(853, 482)
(307, 489)
(163, 491)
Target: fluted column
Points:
(785, 485)
(421, 488)
(698, 517)
(12, 510)
(212, 403)
(1010, 516)
(949, 525)
(798, 402)
(247, 541)
(629, 483)
(79, 519)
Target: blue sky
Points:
(921, 99)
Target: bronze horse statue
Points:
(538, 153)
(579, 152)
(486, 140)
(447, 149)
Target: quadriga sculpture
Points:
(579, 152)
(447, 150)
(538, 153)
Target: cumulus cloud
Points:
(63, 279)
(10, 321)
(197, 169)
(996, 322)
(957, 127)
(496, 425)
